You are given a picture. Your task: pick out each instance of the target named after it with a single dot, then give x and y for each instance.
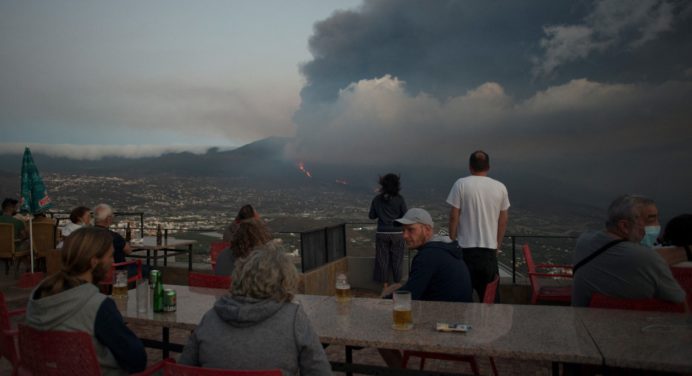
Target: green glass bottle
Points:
(158, 294)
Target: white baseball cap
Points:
(416, 215)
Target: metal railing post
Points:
(514, 260)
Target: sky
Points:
(595, 92)
(88, 78)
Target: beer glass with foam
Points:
(120, 283)
(343, 288)
(403, 320)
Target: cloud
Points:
(377, 120)
(96, 152)
(183, 110)
(611, 24)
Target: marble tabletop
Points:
(656, 341)
(149, 242)
(502, 330)
(514, 331)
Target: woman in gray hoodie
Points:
(257, 326)
(69, 300)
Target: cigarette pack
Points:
(453, 327)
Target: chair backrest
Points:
(490, 290)
(49, 353)
(108, 279)
(684, 278)
(603, 301)
(209, 280)
(174, 369)
(530, 265)
(6, 240)
(214, 249)
(43, 234)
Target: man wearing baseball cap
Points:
(438, 271)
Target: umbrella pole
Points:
(31, 243)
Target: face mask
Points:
(650, 235)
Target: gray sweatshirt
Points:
(245, 334)
(83, 308)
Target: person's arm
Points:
(422, 270)
(454, 222)
(111, 331)
(387, 292)
(127, 249)
(502, 227)
(373, 212)
(312, 358)
(190, 355)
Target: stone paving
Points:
(16, 298)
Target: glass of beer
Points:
(120, 283)
(403, 320)
(343, 288)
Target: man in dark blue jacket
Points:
(438, 271)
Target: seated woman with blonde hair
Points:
(257, 326)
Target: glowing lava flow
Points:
(301, 167)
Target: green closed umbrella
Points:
(33, 195)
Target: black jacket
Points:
(439, 273)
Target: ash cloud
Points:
(97, 152)
(591, 92)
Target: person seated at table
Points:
(677, 240)
(438, 271)
(245, 213)
(256, 326)
(251, 233)
(21, 235)
(79, 217)
(69, 300)
(624, 268)
(103, 218)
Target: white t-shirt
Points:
(480, 199)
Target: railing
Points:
(559, 242)
(514, 237)
(321, 246)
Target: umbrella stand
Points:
(31, 279)
(31, 244)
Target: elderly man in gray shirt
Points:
(624, 269)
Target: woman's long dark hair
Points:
(246, 212)
(390, 185)
(251, 233)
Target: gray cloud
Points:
(407, 82)
(611, 24)
(96, 152)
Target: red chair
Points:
(56, 353)
(684, 278)
(214, 250)
(208, 280)
(108, 279)
(171, 368)
(8, 336)
(488, 298)
(603, 301)
(53, 353)
(561, 294)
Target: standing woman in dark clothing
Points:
(389, 242)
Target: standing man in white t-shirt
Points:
(478, 220)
